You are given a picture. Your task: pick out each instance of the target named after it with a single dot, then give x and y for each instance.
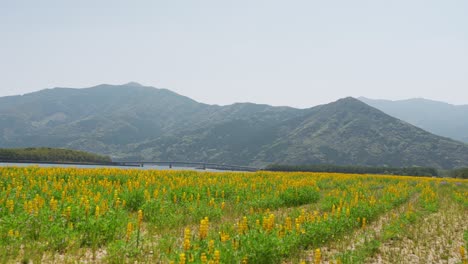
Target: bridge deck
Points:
(204, 165)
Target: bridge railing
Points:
(202, 165)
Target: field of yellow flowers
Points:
(65, 215)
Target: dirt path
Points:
(357, 238)
(435, 239)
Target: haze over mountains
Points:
(136, 122)
(436, 117)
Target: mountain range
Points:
(135, 122)
(436, 117)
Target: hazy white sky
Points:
(296, 53)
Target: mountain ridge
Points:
(437, 117)
(140, 122)
(414, 99)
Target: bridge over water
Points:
(199, 165)
(169, 164)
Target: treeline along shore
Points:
(408, 171)
(52, 155)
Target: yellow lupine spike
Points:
(217, 257)
(211, 246)
(317, 256)
(203, 258)
(140, 218)
(288, 224)
(182, 259)
(463, 255)
(10, 204)
(204, 226)
(187, 236)
(129, 230)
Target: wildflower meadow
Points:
(108, 215)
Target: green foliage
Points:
(411, 171)
(368, 248)
(50, 155)
(263, 248)
(299, 196)
(395, 229)
(459, 173)
(134, 198)
(66, 211)
(267, 203)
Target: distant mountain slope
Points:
(350, 132)
(137, 122)
(437, 117)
